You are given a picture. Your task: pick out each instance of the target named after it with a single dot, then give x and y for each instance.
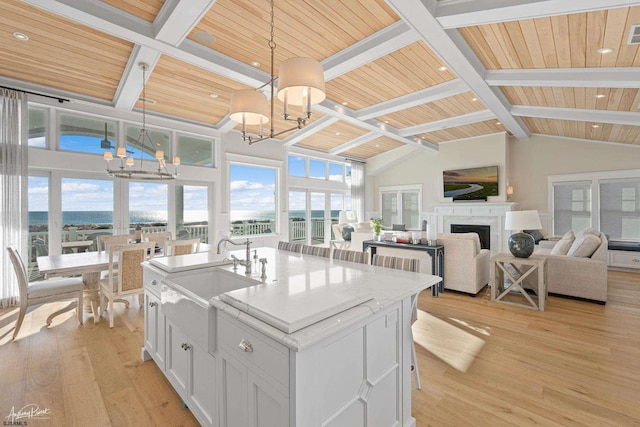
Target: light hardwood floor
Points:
(481, 364)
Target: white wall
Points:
(524, 164)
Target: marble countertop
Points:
(305, 298)
(175, 264)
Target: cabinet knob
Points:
(153, 304)
(636, 260)
(246, 346)
(185, 346)
(154, 282)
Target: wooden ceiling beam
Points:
(430, 94)
(461, 60)
(354, 143)
(580, 115)
(377, 45)
(450, 122)
(310, 129)
(609, 77)
(457, 14)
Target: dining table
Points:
(89, 265)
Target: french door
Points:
(311, 214)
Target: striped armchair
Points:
(316, 250)
(353, 256)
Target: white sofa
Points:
(576, 277)
(467, 267)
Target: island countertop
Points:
(305, 298)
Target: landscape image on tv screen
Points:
(471, 184)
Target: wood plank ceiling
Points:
(397, 72)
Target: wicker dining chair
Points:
(181, 247)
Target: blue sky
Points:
(252, 188)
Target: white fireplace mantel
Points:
(474, 213)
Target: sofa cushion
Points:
(564, 244)
(463, 236)
(589, 230)
(584, 246)
(346, 232)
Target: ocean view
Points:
(146, 217)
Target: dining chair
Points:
(106, 241)
(52, 290)
(405, 264)
(124, 277)
(290, 247)
(158, 238)
(353, 256)
(181, 247)
(316, 251)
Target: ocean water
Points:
(146, 217)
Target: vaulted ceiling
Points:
(397, 72)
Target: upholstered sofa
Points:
(466, 267)
(581, 277)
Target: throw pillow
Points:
(346, 232)
(584, 246)
(563, 245)
(536, 234)
(592, 231)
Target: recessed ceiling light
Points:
(255, 63)
(213, 95)
(604, 50)
(600, 95)
(377, 145)
(474, 99)
(204, 37)
(21, 36)
(386, 121)
(443, 68)
(338, 134)
(595, 126)
(345, 103)
(498, 123)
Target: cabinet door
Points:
(177, 359)
(268, 407)
(233, 392)
(202, 386)
(154, 329)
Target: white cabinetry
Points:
(253, 373)
(624, 259)
(191, 370)
(154, 329)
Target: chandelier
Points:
(300, 83)
(127, 168)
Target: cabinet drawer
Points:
(262, 353)
(626, 259)
(152, 282)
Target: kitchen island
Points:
(313, 342)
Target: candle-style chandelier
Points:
(300, 83)
(127, 170)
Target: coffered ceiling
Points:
(397, 72)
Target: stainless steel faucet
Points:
(245, 262)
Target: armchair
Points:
(467, 268)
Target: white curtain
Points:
(13, 187)
(357, 190)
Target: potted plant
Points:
(376, 226)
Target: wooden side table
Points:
(506, 280)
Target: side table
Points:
(506, 281)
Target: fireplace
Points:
(483, 231)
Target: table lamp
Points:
(521, 244)
(347, 217)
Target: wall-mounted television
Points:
(471, 184)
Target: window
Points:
(87, 208)
(401, 205)
(336, 172)
(37, 128)
(296, 166)
(620, 209)
(571, 206)
(85, 134)
(192, 212)
(149, 206)
(317, 169)
(252, 199)
(348, 174)
(161, 140)
(38, 202)
(194, 151)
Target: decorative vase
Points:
(377, 237)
